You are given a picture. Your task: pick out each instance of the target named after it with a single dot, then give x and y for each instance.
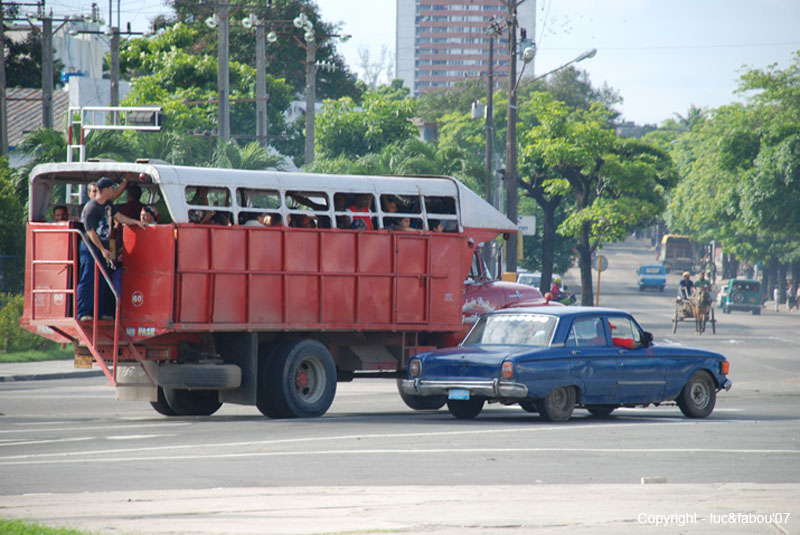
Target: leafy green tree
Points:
(286, 56)
(167, 71)
(616, 184)
(342, 129)
(251, 156)
(12, 238)
(24, 62)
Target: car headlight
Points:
(415, 368)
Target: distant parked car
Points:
(551, 360)
(652, 276)
(741, 294)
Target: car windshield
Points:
(653, 270)
(512, 329)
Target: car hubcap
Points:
(700, 394)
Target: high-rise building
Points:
(440, 42)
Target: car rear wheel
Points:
(698, 397)
(557, 406)
(756, 312)
(528, 405)
(465, 409)
(421, 403)
(601, 410)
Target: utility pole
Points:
(311, 57)
(512, 194)
(114, 66)
(261, 85)
(3, 107)
(224, 114)
(490, 127)
(47, 70)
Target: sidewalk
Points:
(39, 371)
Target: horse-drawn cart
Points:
(699, 308)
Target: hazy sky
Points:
(662, 56)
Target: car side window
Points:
(623, 332)
(587, 332)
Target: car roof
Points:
(563, 311)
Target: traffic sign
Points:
(602, 261)
(527, 224)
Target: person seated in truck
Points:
(362, 204)
(60, 213)
(436, 225)
(149, 214)
(97, 217)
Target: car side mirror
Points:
(647, 339)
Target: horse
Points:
(701, 301)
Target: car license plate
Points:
(458, 393)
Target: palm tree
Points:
(694, 116)
(251, 156)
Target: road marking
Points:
(53, 441)
(93, 428)
(405, 452)
(17, 459)
(136, 437)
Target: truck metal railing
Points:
(91, 343)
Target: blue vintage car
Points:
(555, 359)
(653, 276)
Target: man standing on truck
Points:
(96, 217)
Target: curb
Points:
(48, 376)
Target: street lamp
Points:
(512, 191)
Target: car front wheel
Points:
(557, 406)
(465, 409)
(698, 397)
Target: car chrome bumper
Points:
(492, 389)
(727, 385)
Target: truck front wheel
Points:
(300, 381)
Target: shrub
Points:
(12, 337)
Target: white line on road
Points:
(93, 428)
(406, 452)
(52, 441)
(393, 436)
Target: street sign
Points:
(527, 224)
(602, 261)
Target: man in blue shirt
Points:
(97, 218)
(686, 286)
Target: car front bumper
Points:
(491, 389)
(726, 385)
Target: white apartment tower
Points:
(440, 42)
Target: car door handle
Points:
(575, 352)
(623, 351)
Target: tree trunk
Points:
(548, 244)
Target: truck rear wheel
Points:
(161, 406)
(192, 402)
(298, 381)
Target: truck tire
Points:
(161, 406)
(421, 403)
(300, 380)
(192, 402)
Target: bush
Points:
(12, 337)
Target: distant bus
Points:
(677, 253)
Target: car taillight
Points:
(415, 368)
(725, 367)
(508, 370)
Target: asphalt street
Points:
(70, 455)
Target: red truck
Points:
(263, 287)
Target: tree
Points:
(251, 156)
(286, 55)
(342, 129)
(616, 184)
(12, 238)
(373, 70)
(24, 62)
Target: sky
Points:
(661, 56)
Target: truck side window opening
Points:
(209, 196)
(258, 198)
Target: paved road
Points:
(71, 455)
